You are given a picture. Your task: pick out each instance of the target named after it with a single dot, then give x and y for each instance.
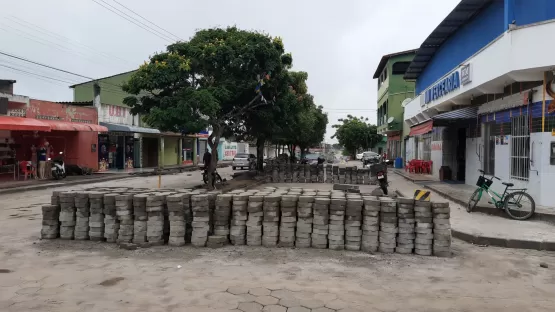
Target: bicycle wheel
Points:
(474, 199)
(519, 205)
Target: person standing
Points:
(42, 157)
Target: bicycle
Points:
(510, 201)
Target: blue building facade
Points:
(484, 89)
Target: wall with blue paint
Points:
(525, 12)
(468, 40)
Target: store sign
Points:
(17, 112)
(466, 77)
(230, 150)
(437, 145)
(444, 87)
(116, 114)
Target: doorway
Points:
(461, 154)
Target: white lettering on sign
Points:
(116, 114)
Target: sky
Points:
(339, 43)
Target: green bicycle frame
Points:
(492, 194)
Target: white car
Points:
(243, 160)
(359, 156)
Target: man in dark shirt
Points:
(207, 159)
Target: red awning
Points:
(59, 125)
(98, 128)
(421, 128)
(22, 124)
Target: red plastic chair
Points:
(427, 167)
(26, 168)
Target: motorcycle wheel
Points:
(383, 186)
(205, 178)
(55, 175)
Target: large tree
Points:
(214, 80)
(356, 133)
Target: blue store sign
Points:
(445, 86)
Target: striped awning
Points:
(463, 113)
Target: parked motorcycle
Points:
(380, 171)
(217, 177)
(58, 167)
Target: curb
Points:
(47, 186)
(496, 241)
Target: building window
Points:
(520, 148)
(400, 68)
(427, 147)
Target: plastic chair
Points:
(427, 167)
(27, 168)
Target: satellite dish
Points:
(406, 102)
(390, 120)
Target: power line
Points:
(54, 68)
(133, 20)
(52, 34)
(148, 21)
(30, 73)
(49, 43)
(35, 70)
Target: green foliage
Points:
(208, 81)
(355, 133)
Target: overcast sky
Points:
(339, 43)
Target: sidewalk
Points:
(461, 193)
(484, 229)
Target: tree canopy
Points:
(214, 80)
(355, 133)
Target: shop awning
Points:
(421, 128)
(22, 124)
(126, 128)
(59, 125)
(462, 115)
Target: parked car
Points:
(359, 156)
(310, 159)
(243, 160)
(370, 158)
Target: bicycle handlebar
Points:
(483, 173)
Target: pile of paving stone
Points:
(298, 173)
(340, 219)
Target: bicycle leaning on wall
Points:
(517, 203)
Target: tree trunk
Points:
(213, 142)
(260, 154)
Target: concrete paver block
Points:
(274, 308)
(250, 307)
(266, 300)
(237, 290)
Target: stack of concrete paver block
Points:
(442, 229)
(288, 220)
(155, 219)
(341, 175)
(254, 220)
(96, 218)
(275, 173)
(270, 224)
(176, 218)
(67, 215)
(329, 173)
(336, 227)
(320, 222)
(304, 221)
(321, 173)
(82, 213)
(201, 220)
(239, 215)
(353, 223)
(188, 215)
(295, 173)
(281, 173)
(370, 224)
(222, 214)
(124, 212)
(140, 218)
(111, 222)
(388, 225)
(405, 213)
(50, 221)
(307, 174)
(335, 174)
(424, 228)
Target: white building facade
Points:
(483, 84)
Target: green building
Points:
(392, 91)
(130, 143)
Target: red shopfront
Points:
(70, 129)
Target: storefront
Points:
(126, 145)
(486, 90)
